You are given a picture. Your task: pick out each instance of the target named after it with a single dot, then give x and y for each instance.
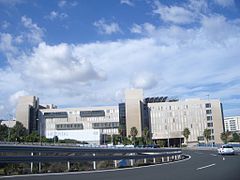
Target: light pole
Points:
(10, 115)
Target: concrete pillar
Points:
(94, 163)
(39, 165)
(144, 160)
(167, 158)
(68, 166)
(115, 163)
(31, 163)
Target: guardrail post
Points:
(144, 160)
(162, 159)
(131, 160)
(39, 165)
(31, 163)
(154, 160)
(94, 163)
(68, 166)
(167, 158)
(115, 163)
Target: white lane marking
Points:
(97, 171)
(206, 166)
(213, 155)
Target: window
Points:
(209, 124)
(209, 111)
(208, 105)
(209, 118)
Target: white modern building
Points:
(232, 123)
(168, 119)
(82, 124)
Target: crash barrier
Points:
(43, 154)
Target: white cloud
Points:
(127, 2)
(136, 29)
(5, 25)
(35, 33)
(144, 80)
(105, 28)
(14, 97)
(57, 66)
(174, 14)
(224, 3)
(6, 43)
(146, 28)
(56, 15)
(62, 3)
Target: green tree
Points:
(121, 130)
(33, 137)
(161, 143)
(207, 134)
(225, 136)
(186, 133)
(55, 139)
(3, 132)
(235, 137)
(133, 133)
(146, 136)
(18, 132)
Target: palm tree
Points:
(207, 134)
(145, 135)
(133, 133)
(225, 136)
(121, 130)
(186, 133)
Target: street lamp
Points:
(10, 115)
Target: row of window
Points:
(73, 126)
(105, 125)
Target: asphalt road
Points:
(203, 165)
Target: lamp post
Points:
(10, 116)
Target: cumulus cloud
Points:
(56, 15)
(127, 2)
(144, 80)
(105, 28)
(35, 33)
(56, 65)
(6, 43)
(13, 99)
(174, 14)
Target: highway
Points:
(202, 165)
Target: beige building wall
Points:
(23, 113)
(133, 99)
(232, 123)
(74, 117)
(168, 119)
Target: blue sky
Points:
(87, 52)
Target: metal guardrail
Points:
(96, 154)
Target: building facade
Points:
(27, 112)
(232, 123)
(133, 110)
(83, 124)
(164, 118)
(168, 119)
